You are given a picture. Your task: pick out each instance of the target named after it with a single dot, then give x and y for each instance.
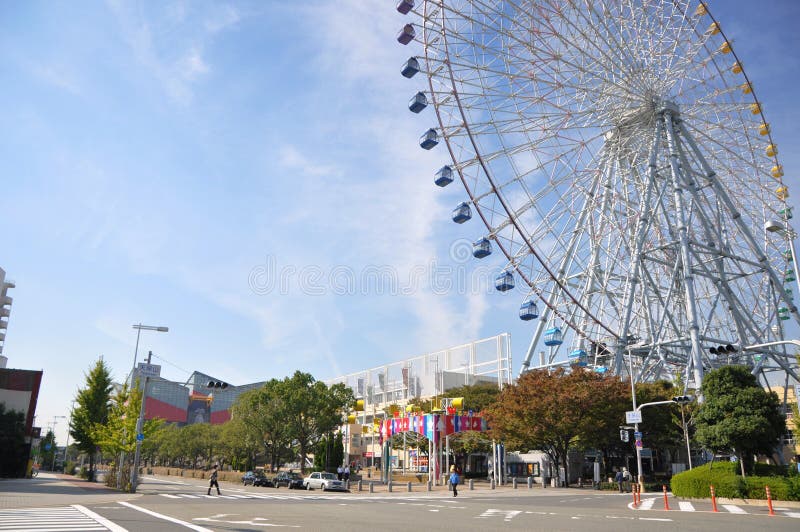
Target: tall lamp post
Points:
(55, 447)
(140, 421)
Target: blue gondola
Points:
(410, 68)
(552, 336)
(407, 34)
(482, 248)
(578, 357)
(418, 102)
(504, 282)
(600, 369)
(462, 213)
(444, 176)
(429, 139)
(404, 6)
(528, 310)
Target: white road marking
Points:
(52, 519)
(166, 481)
(647, 504)
(686, 506)
(796, 515)
(654, 519)
(99, 518)
(733, 509)
(165, 517)
(170, 495)
(507, 515)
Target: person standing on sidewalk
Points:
(454, 480)
(213, 481)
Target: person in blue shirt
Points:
(454, 480)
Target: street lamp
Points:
(55, 447)
(140, 421)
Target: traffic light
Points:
(623, 435)
(723, 349)
(351, 419)
(217, 384)
(682, 399)
(359, 405)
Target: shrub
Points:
(696, 482)
(778, 486)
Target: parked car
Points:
(256, 478)
(323, 481)
(290, 480)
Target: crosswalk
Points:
(686, 506)
(55, 519)
(246, 495)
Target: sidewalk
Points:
(54, 489)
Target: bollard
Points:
(666, 502)
(347, 485)
(371, 487)
(638, 494)
(492, 483)
(390, 486)
(713, 500)
(429, 485)
(409, 486)
(514, 482)
(472, 484)
(634, 490)
(769, 501)
(530, 482)
(359, 485)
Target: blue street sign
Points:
(47, 446)
(140, 437)
(637, 435)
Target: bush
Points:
(696, 482)
(778, 486)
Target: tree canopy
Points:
(738, 415)
(93, 407)
(553, 411)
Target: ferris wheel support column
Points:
(644, 221)
(669, 116)
(737, 218)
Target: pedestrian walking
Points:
(454, 480)
(620, 481)
(339, 472)
(212, 482)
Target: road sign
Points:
(623, 435)
(637, 435)
(47, 446)
(639, 444)
(140, 437)
(149, 370)
(633, 416)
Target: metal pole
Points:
(686, 437)
(139, 430)
(635, 425)
(133, 370)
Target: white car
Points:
(323, 481)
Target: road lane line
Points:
(165, 517)
(169, 495)
(99, 518)
(654, 519)
(733, 509)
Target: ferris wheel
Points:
(620, 162)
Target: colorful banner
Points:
(432, 426)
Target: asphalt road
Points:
(167, 504)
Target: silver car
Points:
(323, 481)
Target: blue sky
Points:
(160, 159)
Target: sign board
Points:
(367, 454)
(639, 444)
(633, 416)
(646, 452)
(149, 370)
(140, 437)
(637, 435)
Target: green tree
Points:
(477, 398)
(92, 410)
(738, 415)
(262, 412)
(329, 453)
(47, 450)
(555, 410)
(12, 442)
(311, 409)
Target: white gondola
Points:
(462, 213)
(482, 248)
(504, 282)
(528, 310)
(418, 102)
(444, 176)
(429, 139)
(410, 68)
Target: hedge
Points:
(727, 483)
